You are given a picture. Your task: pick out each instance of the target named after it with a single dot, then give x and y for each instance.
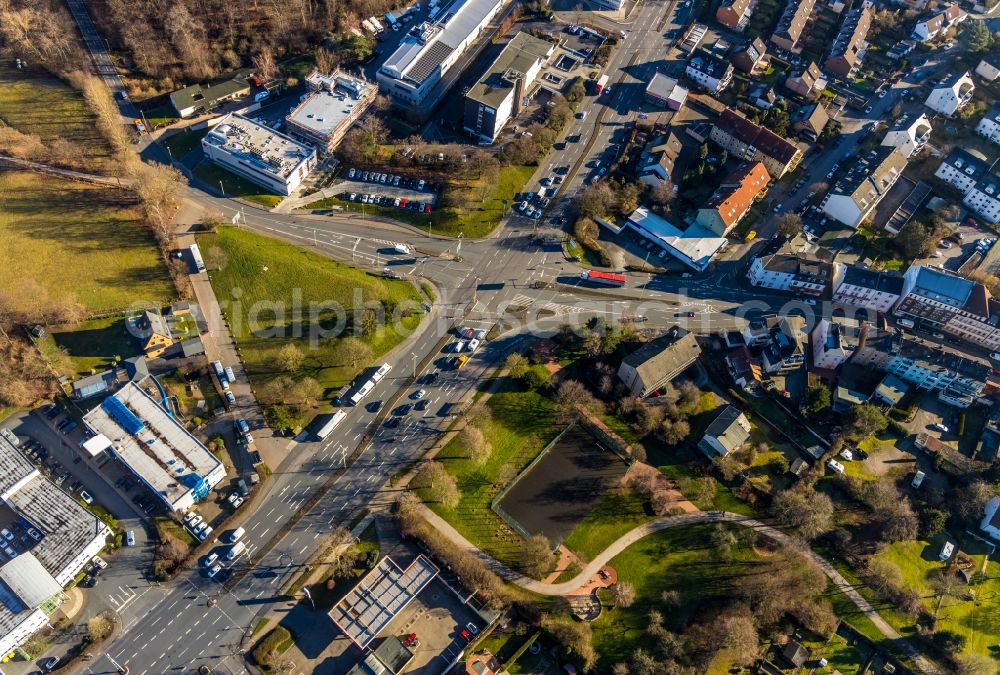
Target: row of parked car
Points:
(387, 179)
(398, 202)
(197, 525)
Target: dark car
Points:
(374, 406)
(392, 422)
(421, 405)
(429, 378)
(404, 409)
(688, 314)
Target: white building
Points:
(710, 71)
(990, 523)
(858, 192)
(506, 87)
(952, 387)
(989, 67)
(989, 126)
(984, 198)
(931, 26)
(694, 246)
(427, 54)
(835, 339)
(865, 288)
(154, 446)
(962, 169)
(335, 103)
(32, 582)
(909, 134)
(258, 153)
(794, 273)
(952, 94)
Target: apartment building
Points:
(710, 71)
(859, 191)
(951, 304)
(930, 26)
(908, 134)
(751, 58)
(962, 169)
(989, 125)
(864, 288)
(835, 339)
(733, 198)
(795, 273)
(258, 153)
(735, 14)
(417, 74)
(849, 47)
(659, 361)
(792, 23)
(751, 142)
(951, 386)
(984, 198)
(501, 93)
(807, 83)
(952, 94)
(787, 344)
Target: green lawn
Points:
(520, 427)
(234, 186)
(34, 102)
(160, 116)
(616, 513)
(268, 279)
(478, 221)
(78, 239)
(93, 345)
(183, 142)
(677, 559)
(978, 619)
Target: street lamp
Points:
(305, 590)
(222, 188)
(414, 355)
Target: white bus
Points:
(381, 372)
(362, 392)
(330, 424)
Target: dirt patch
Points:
(765, 546)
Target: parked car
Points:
(85, 496)
(130, 538)
(937, 426)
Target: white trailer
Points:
(369, 26)
(199, 263)
(378, 24)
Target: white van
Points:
(237, 535)
(835, 466)
(402, 248)
(918, 479)
(473, 345)
(235, 550)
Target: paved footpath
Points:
(667, 522)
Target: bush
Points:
(272, 646)
(897, 428)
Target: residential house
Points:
(962, 169)
(864, 288)
(849, 47)
(709, 70)
(989, 67)
(659, 361)
(908, 134)
(990, 523)
(743, 369)
(785, 350)
(807, 83)
(727, 433)
(659, 161)
(941, 301)
(989, 125)
(763, 96)
(792, 23)
(835, 339)
(953, 93)
(153, 333)
(890, 391)
(751, 58)
(810, 120)
(199, 99)
(984, 198)
(733, 198)
(665, 91)
(735, 14)
(796, 273)
(901, 50)
(500, 94)
(859, 191)
(930, 26)
(748, 141)
(795, 654)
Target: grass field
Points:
(615, 514)
(94, 344)
(160, 116)
(296, 277)
(475, 222)
(183, 142)
(520, 427)
(978, 620)
(36, 103)
(234, 186)
(79, 239)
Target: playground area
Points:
(557, 491)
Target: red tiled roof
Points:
(736, 193)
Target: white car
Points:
(130, 538)
(215, 570)
(85, 496)
(203, 535)
(419, 394)
(195, 522)
(835, 466)
(7, 534)
(937, 426)
(210, 560)
(189, 516)
(473, 345)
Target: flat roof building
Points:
(31, 582)
(155, 447)
(411, 74)
(501, 93)
(258, 153)
(694, 246)
(664, 90)
(335, 103)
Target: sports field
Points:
(558, 492)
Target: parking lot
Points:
(385, 189)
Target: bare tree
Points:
(290, 357)
(264, 64)
(476, 446)
(811, 515)
(438, 483)
(536, 556)
(517, 365)
(187, 35)
(623, 593)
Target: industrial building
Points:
(69, 536)
(334, 104)
(132, 427)
(411, 74)
(258, 153)
(501, 93)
